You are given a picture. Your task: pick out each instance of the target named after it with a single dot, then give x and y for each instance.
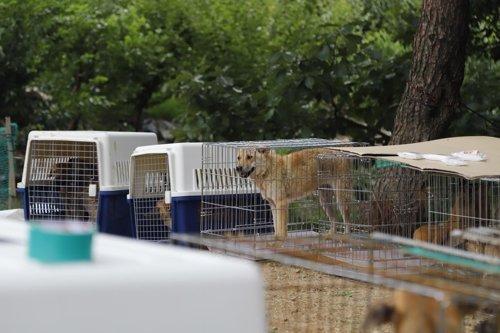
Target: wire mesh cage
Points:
(374, 194)
(165, 191)
(150, 182)
(64, 180)
(265, 189)
(459, 203)
(307, 290)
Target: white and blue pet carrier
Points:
(80, 175)
(166, 183)
(164, 192)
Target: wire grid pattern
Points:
(459, 203)
(303, 300)
(4, 163)
(151, 180)
(371, 194)
(309, 291)
(274, 187)
(63, 180)
(288, 143)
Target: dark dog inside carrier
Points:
(63, 180)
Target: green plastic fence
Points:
(4, 163)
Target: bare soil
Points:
(301, 300)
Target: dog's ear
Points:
(263, 150)
(378, 315)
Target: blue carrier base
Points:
(113, 211)
(113, 215)
(186, 214)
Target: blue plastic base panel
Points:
(186, 214)
(113, 212)
(24, 202)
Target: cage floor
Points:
(314, 246)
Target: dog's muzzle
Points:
(244, 173)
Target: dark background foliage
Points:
(228, 70)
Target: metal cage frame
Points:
(274, 181)
(63, 180)
(150, 182)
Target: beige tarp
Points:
(485, 144)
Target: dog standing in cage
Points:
(283, 179)
(72, 180)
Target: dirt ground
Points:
(300, 300)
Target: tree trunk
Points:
(142, 100)
(431, 98)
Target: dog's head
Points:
(252, 162)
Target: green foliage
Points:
(226, 70)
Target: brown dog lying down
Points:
(441, 233)
(283, 179)
(412, 313)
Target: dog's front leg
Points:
(281, 220)
(344, 199)
(325, 200)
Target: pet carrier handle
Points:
(59, 242)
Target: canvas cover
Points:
(485, 144)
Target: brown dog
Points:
(283, 179)
(412, 313)
(72, 180)
(164, 211)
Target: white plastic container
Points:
(129, 287)
(82, 175)
(165, 190)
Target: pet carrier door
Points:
(63, 180)
(151, 197)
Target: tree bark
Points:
(431, 98)
(142, 100)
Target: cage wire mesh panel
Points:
(63, 180)
(459, 203)
(263, 189)
(151, 180)
(307, 291)
(375, 194)
(4, 162)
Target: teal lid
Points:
(59, 242)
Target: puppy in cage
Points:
(74, 180)
(284, 179)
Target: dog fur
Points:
(412, 313)
(164, 211)
(439, 233)
(72, 179)
(283, 179)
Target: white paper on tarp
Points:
(489, 146)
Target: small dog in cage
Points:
(413, 313)
(72, 179)
(283, 179)
(164, 211)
